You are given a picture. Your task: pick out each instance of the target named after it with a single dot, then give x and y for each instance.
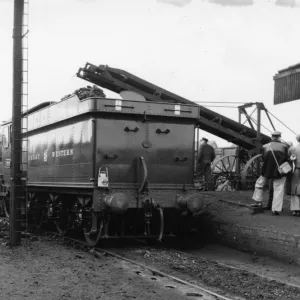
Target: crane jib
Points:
(118, 80)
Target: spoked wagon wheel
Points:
(251, 172)
(93, 237)
(65, 211)
(226, 172)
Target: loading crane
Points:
(118, 80)
(242, 168)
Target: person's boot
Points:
(268, 206)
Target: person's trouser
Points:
(208, 177)
(278, 186)
(206, 173)
(295, 202)
(271, 193)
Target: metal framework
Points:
(259, 107)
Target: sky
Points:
(204, 50)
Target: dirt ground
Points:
(45, 269)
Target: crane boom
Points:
(118, 80)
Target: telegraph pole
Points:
(16, 153)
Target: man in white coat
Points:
(274, 154)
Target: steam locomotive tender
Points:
(109, 167)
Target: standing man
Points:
(270, 171)
(294, 154)
(205, 158)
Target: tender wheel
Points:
(95, 230)
(65, 214)
(62, 221)
(39, 212)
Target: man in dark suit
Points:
(205, 158)
(270, 172)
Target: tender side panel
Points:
(61, 156)
(60, 111)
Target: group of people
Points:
(274, 155)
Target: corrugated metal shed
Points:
(287, 85)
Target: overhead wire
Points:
(219, 106)
(250, 116)
(273, 117)
(231, 102)
(267, 129)
(252, 119)
(282, 123)
(222, 106)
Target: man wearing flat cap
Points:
(274, 154)
(205, 158)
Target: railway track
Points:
(189, 289)
(167, 267)
(202, 292)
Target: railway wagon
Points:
(111, 167)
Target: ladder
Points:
(24, 106)
(19, 198)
